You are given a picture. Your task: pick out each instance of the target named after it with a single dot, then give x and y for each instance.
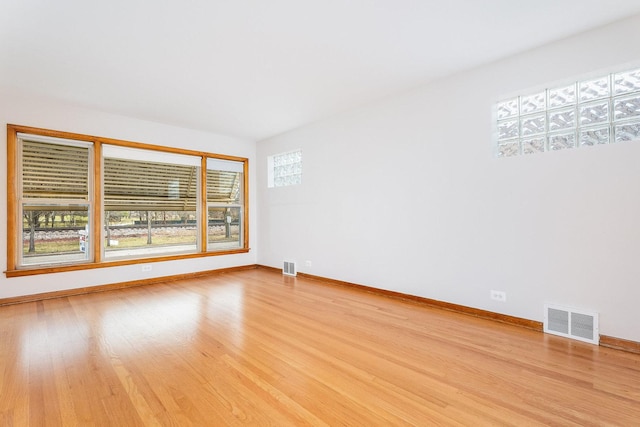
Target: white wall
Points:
(27, 110)
(406, 195)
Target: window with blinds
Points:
(87, 200)
(224, 204)
(150, 202)
(55, 201)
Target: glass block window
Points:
(589, 112)
(285, 169)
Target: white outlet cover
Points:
(498, 295)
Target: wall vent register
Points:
(571, 323)
(289, 268)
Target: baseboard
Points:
(484, 314)
(605, 341)
(272, 269)
(121, 285)
(620, 344)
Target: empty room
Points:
(336, 213)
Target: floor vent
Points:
(289, 268)
(571, 323)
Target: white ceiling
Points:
(256, 68)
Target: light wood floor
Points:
(256, 348)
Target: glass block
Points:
(562, 119)
(508, 108)
(562, 96)
(594, 89)
(532, 125)
(626, 108)
(562, 141)
(532, 103)
(593, 113)
(594, 136)
(628, 132)
(509, 148)
(533, 145)
(628, 81)
(508, 129)
(288, 158)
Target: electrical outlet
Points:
(499, 296)
(308, 263)
(146, 267)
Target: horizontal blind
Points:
(54, 170)
(140, 185)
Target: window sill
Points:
(115, 263)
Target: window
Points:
(284, 169)
(150, 202)
(588, 112)
(84, 202)
(54, 195)
(224, 204)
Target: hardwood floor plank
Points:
(256, 348)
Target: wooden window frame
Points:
(97, 217)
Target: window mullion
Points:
(95, 200)
(202, 204)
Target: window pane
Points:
(594, 89)
(533, 145)
(562, 119)
(508, 129)
(560, 142)
(532, 103)
(532, 125)
(55, 234)
(629, 132)
(594, 113)
(594, 136)
(224, 230)
(627, 82)
(150, 208)
(562, 96)
(133, 234)
(508, 108)
(626, 108)
(224, 205)
(509, 148)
